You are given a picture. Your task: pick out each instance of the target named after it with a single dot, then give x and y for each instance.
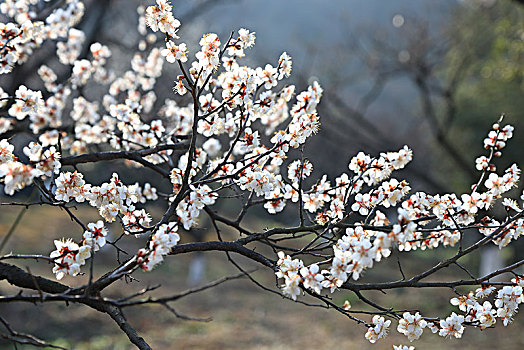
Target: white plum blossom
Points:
(486, 315)
(6, 152)
(160, 245)
(379, 329)
(95, 236)
(16, 176)
(312, 278)
(411, 326)
(452, 326)
(67, 258)
(507, 302)
(465, 302)
(28, 102)
(403, 347)
(175, 52)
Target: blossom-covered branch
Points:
(241, 139)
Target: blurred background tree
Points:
(450, 80)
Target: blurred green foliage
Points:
(483, 64)
(487, 45)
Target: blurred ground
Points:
(244, 316)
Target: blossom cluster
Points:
(14, 174)
(379, 329)
(165, 238)
(361, 246)
(411, 326)
(70, 256)
(112, 198)
(290, 270)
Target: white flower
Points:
(6, 152)
(246, 38)
(411, 326)
(484, 291)
(66, 262)
(284, 65)
(291, 288)
(160, 245)
(96, 234)
(312, 278)
(174, 52)
(485, 315)
(212, 147)
(380, 329)
(464, 302)
(403, 347)
(452, 326)
(507, 302)
(16, 176)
